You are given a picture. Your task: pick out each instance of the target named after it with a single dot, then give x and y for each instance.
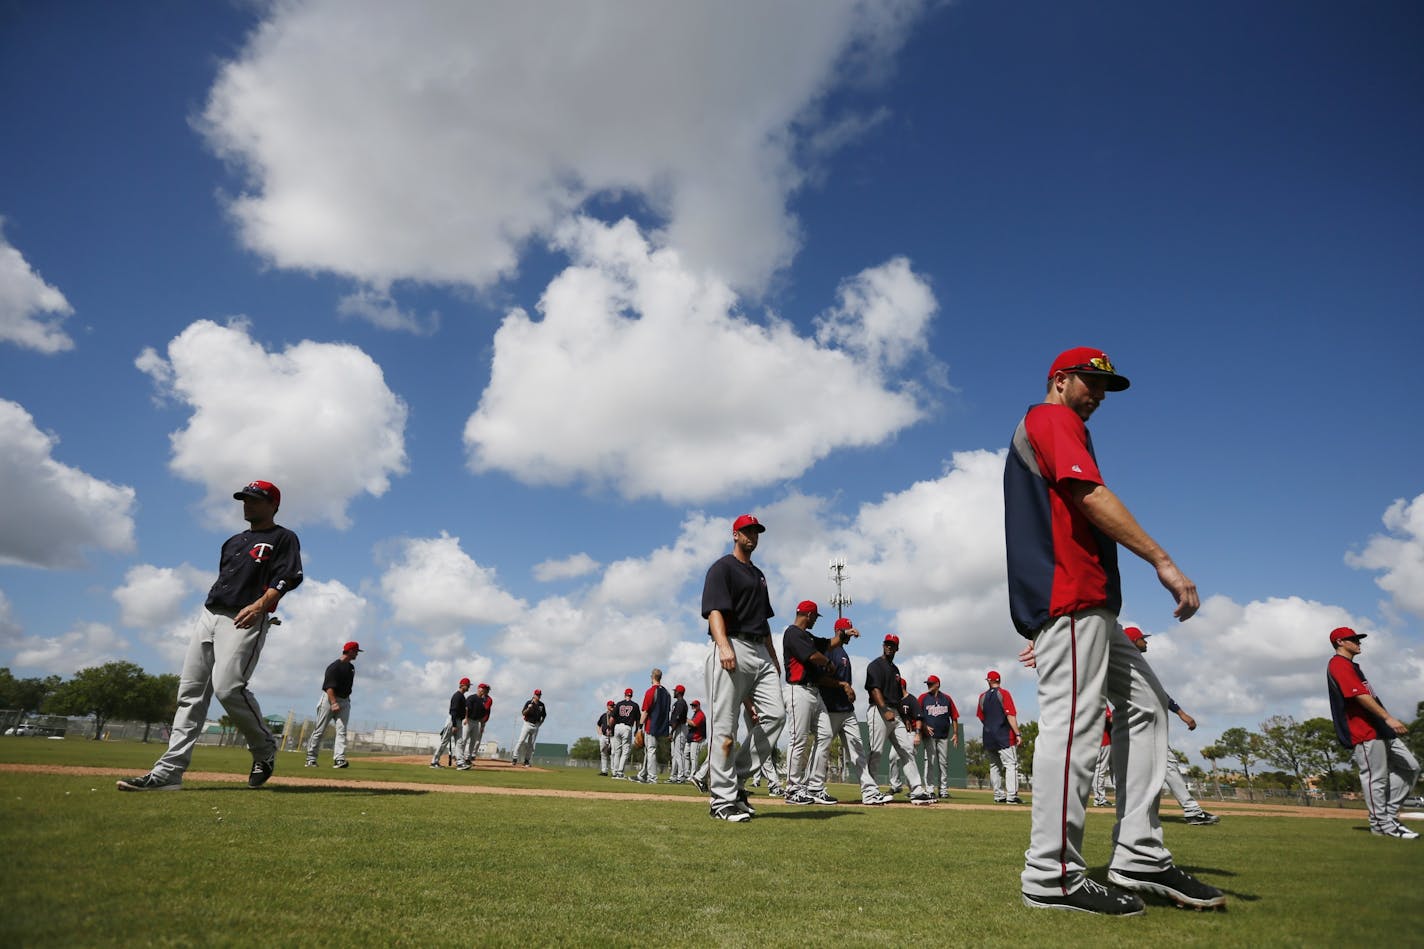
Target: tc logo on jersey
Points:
(260, 552)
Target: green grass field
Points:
(320, 865)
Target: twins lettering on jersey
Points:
(260, 552)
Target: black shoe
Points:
(700, 784)
(729, 812)
(1202, 819)
(922, 797)
(1177, 885)
(745, 804)
(1014, 800)
(261, 771)
(1091, 897)
(341, 764)
(151, 782)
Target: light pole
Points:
(838, 577)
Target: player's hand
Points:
(336, 706)
(889, 715)
(248, 615)
(727, 656)
(954, 738)
(1027, 657)
(1183, 590)
(1191, 722)
(849, 691)
(1399, 727)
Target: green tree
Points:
(1245, 747)
(1028, 737)
(158, 701)
(112, 690)
(976, 762)
(1414, 738)
(1297, 747)
(584, 749)
(27, 695)
(1212, 755)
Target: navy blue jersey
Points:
(605, 724)
(833, 696)
(884, 675)
(738, 591)
(940, 713)
(657, 703)
(626, 713)
(339, 677)
(533, 712)
(995, 707)
(479, 706)
(799, 646)
(910, 709)
(679, 713)
(457, 707)
(253, 562)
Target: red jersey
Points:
(1346, 681)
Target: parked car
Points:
(25, 729)
(1413, 801)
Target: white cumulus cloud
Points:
(153, 597)
(31, 311)
(1399, 555)
(577, 565)
(431, 140)
(53, 512)
(86, 644)
(723, 403)
(434, 585)
(317, 419)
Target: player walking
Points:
(840, 708)
(335, 704)
(1062, 526)
(1388, 769)
(883, 685)
(533, 714)
(941, 730)
(741, 666)
(807, 670)
(256, 569)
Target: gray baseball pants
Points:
(324, 717)
(1388, 771)
(808, 720)
(755, 678)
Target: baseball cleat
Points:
(944, 795)
(1202, 818)
(1102, 802)
(1091, 897)
(1014, 800)
(151, 782)
(340, 764)
(896, 789)
(922, 797)
(261, 771)
(435, 765)
(821, 797)
(1175, 884)
(798, 797)
(700, 784)
(1398, 832)
(775, 790)
(744, 803)
(729, 812)
(876, 799)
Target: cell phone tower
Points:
(838, 577)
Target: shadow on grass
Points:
(311, 789)
(802, 814)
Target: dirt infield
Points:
(226, 777)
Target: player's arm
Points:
(1109, 515)
(877, 698)
(250, 613)
(1372, 705)
(717, 624)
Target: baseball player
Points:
(533, 714)
(1062, 528)
(741, 666)
(477, 715)
(605, 738)
(256, 569)
(807, 670)
(913, 721)
(839, 700)
(1001, 738)
(882, 684)
(941, 730)
(335, 703)
(696, 735)
(1388, 769)
(678, 771)
(1192, 812)
(656, 716)
(625, 720)
(450, 731)
(1104, 765)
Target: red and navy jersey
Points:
(1059, 563)
(254, 562)
(534, 712)
(738, 591)
(799, 646)
(697, 726)
(1107, 728)
(939, 713)
(479, 708)
(605, 724)
(995, 707)
(679, 713)
(910, 712)
(1353, 724)
(339, 678)
(834, 696)
(626, 713)
(657, 709)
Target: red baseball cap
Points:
(263, 490)
(483, 686)
(697, 702)
(747, 522)
(892, 638)
(1344, 632)
(610, 703)
(627, 691)
(352, 646)
(844, 623)
(678, 688)
(1134, 634)
(993, 676)
(464, 681)
(1088, 361)
(932, 680)
(808, 607)
(537, 692)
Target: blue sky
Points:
(521, 309)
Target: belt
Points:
(757, 638)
